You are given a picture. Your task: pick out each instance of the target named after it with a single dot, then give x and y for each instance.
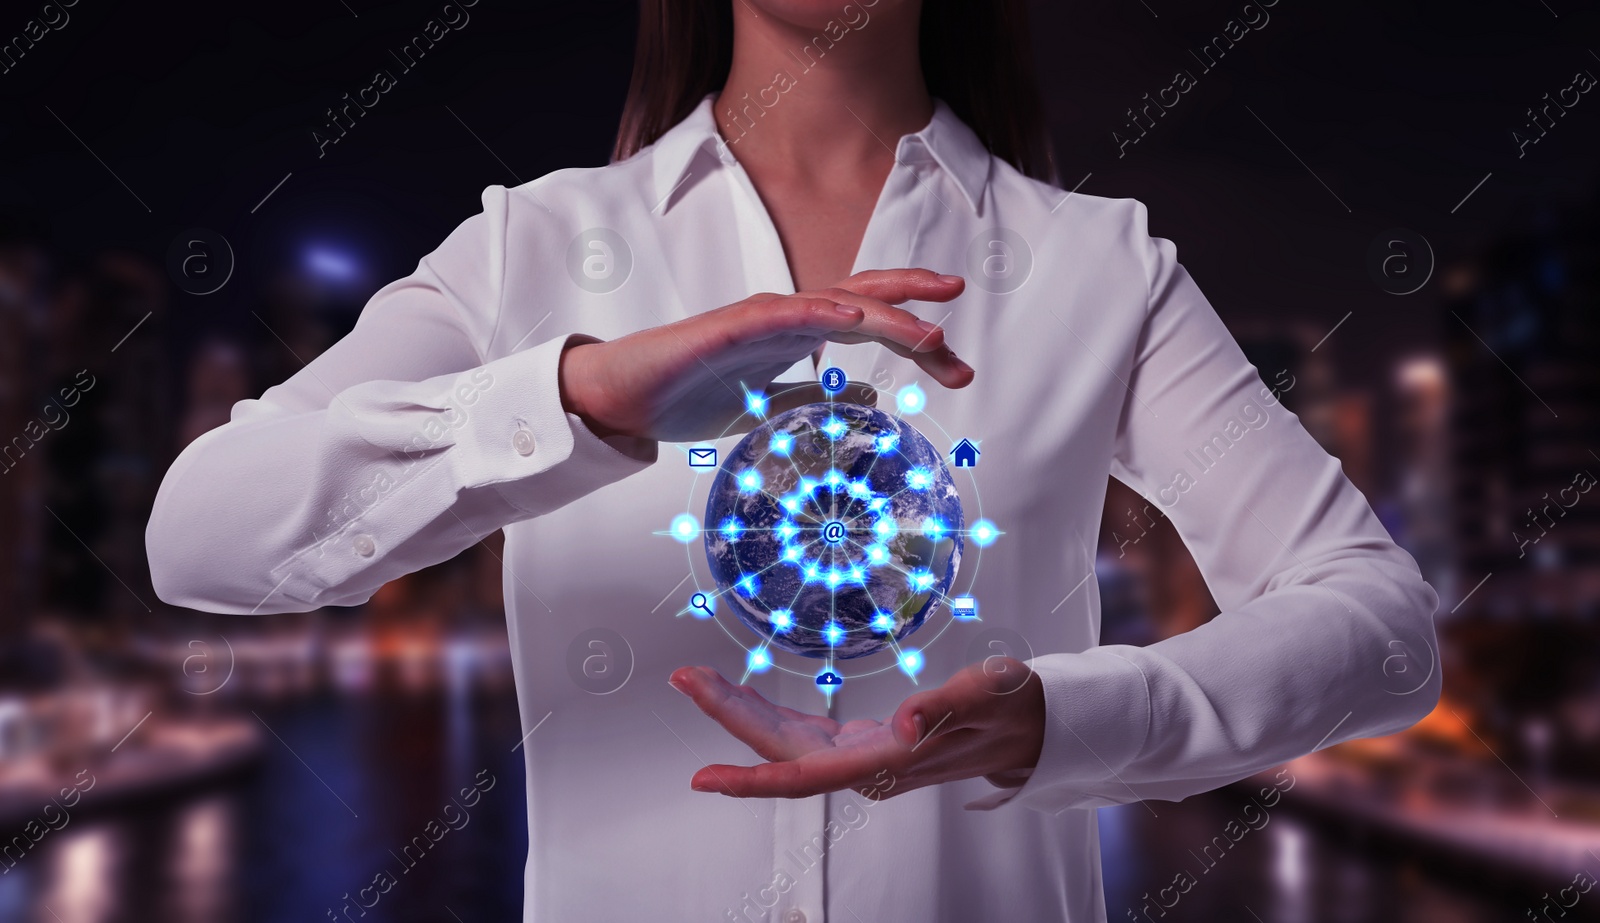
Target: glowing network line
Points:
(835, 531)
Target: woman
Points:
(525, 375)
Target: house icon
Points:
(965, 454)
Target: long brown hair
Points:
(977, 58)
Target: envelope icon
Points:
(702, 457)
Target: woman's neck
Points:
(836, 95)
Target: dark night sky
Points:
(1400, 108)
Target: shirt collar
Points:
(946, 140)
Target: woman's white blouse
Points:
(438, 420)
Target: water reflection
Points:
(279, 843)
(276, 844)
(81, 869)
(202, 869)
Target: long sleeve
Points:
(1317, 602)
(395, 449)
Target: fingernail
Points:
(949, 279)
(701, 787)
(674, 684)
(962, 365)
(926, 326)
(920, 723)
(849, 309)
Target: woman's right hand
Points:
(687, 380)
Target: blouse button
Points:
(795, 915)
(364, 545)
(522, 442)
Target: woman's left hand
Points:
(988, 720)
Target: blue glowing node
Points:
(910, 661)
(755, 403)
(911, 400)
(685, 528)
(731, 529)
(983, 533)
(835, 531)
(758, 661)
(749, 480)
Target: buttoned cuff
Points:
(528, 448)
(1097, 718)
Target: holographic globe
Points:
(833, 529)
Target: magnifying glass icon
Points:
(700, 606)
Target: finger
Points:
(784, 396)
(897, 286)
(950, 707)
(905, 334)
(749, 321)
(827, 770)
(773, 732)
(886, 322)
(943, 364)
